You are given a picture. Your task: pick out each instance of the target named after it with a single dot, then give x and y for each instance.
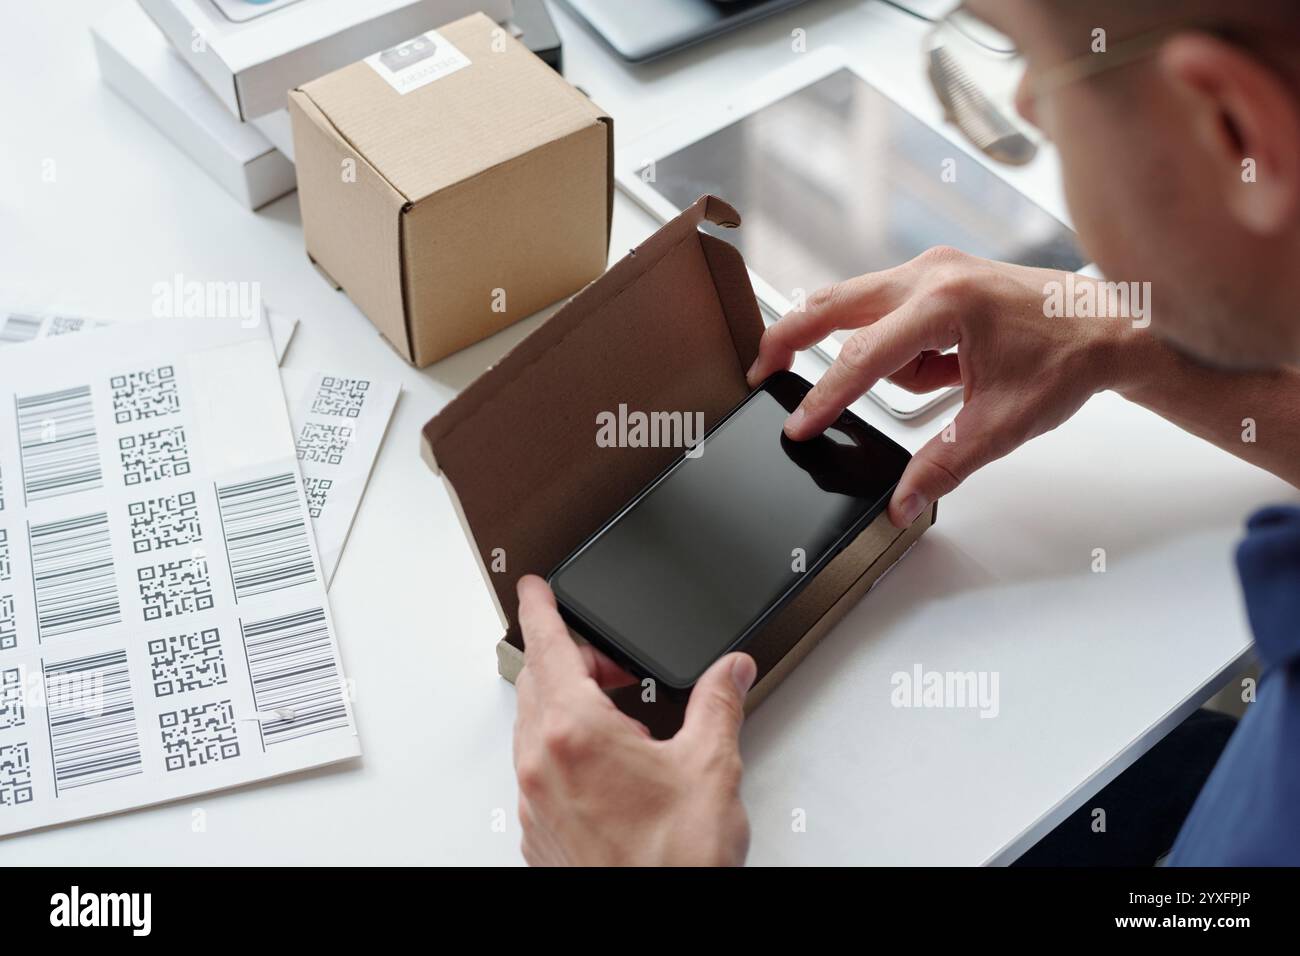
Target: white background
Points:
(1092, 667)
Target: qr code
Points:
(194, 736)
(323, 443)
(152, 456)
(340, 396)
(186, 662)
(15, 775)
(175, 587)
(11, 698)
(317, 491)
(66, 325)
(8, 625)
(147, 394)
(164, 522)
(6, 570)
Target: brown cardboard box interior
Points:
(673, 326)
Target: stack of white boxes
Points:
(214, 75)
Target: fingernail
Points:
(912, 507)
(795, 420)
(743, 672)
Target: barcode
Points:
(92, 720)
(266, 535)
(59, 450)
(20, 328)
(291, 663)
(72, 569)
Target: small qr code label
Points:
(66, 325)
(323, 443)
(342, 397)
(194, 736)
(318, 490)
(8, 624)
(185, 662)
(175, 587)
(150, 393)
(155, 455)
(6, 569)
(164, 522)
(15, 774)
(11, 698)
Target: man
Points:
(1181, 161)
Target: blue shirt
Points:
(1248, 814)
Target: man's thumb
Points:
(717, 704)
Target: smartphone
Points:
(724, 537)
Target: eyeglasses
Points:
(975, 70)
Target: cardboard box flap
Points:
(514, 109)
(670, 328)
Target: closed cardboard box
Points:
(674, 325)
(452, 185)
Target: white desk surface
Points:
(1092, 667)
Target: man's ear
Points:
(1246, 119)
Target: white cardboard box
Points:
(137, 62)
(276, 127)
(251, 64)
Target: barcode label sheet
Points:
(164, 627)
(338, 426)
(339, 421)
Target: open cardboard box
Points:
(672, 326)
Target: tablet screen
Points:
(836, 179)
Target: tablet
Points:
(645, 31)
(835, 179)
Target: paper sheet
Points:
(164, 628)
(20, 326)
(338, 426)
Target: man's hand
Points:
(594, 788)
(1023, 373)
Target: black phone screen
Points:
(700, 557)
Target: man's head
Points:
(1181, 167)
